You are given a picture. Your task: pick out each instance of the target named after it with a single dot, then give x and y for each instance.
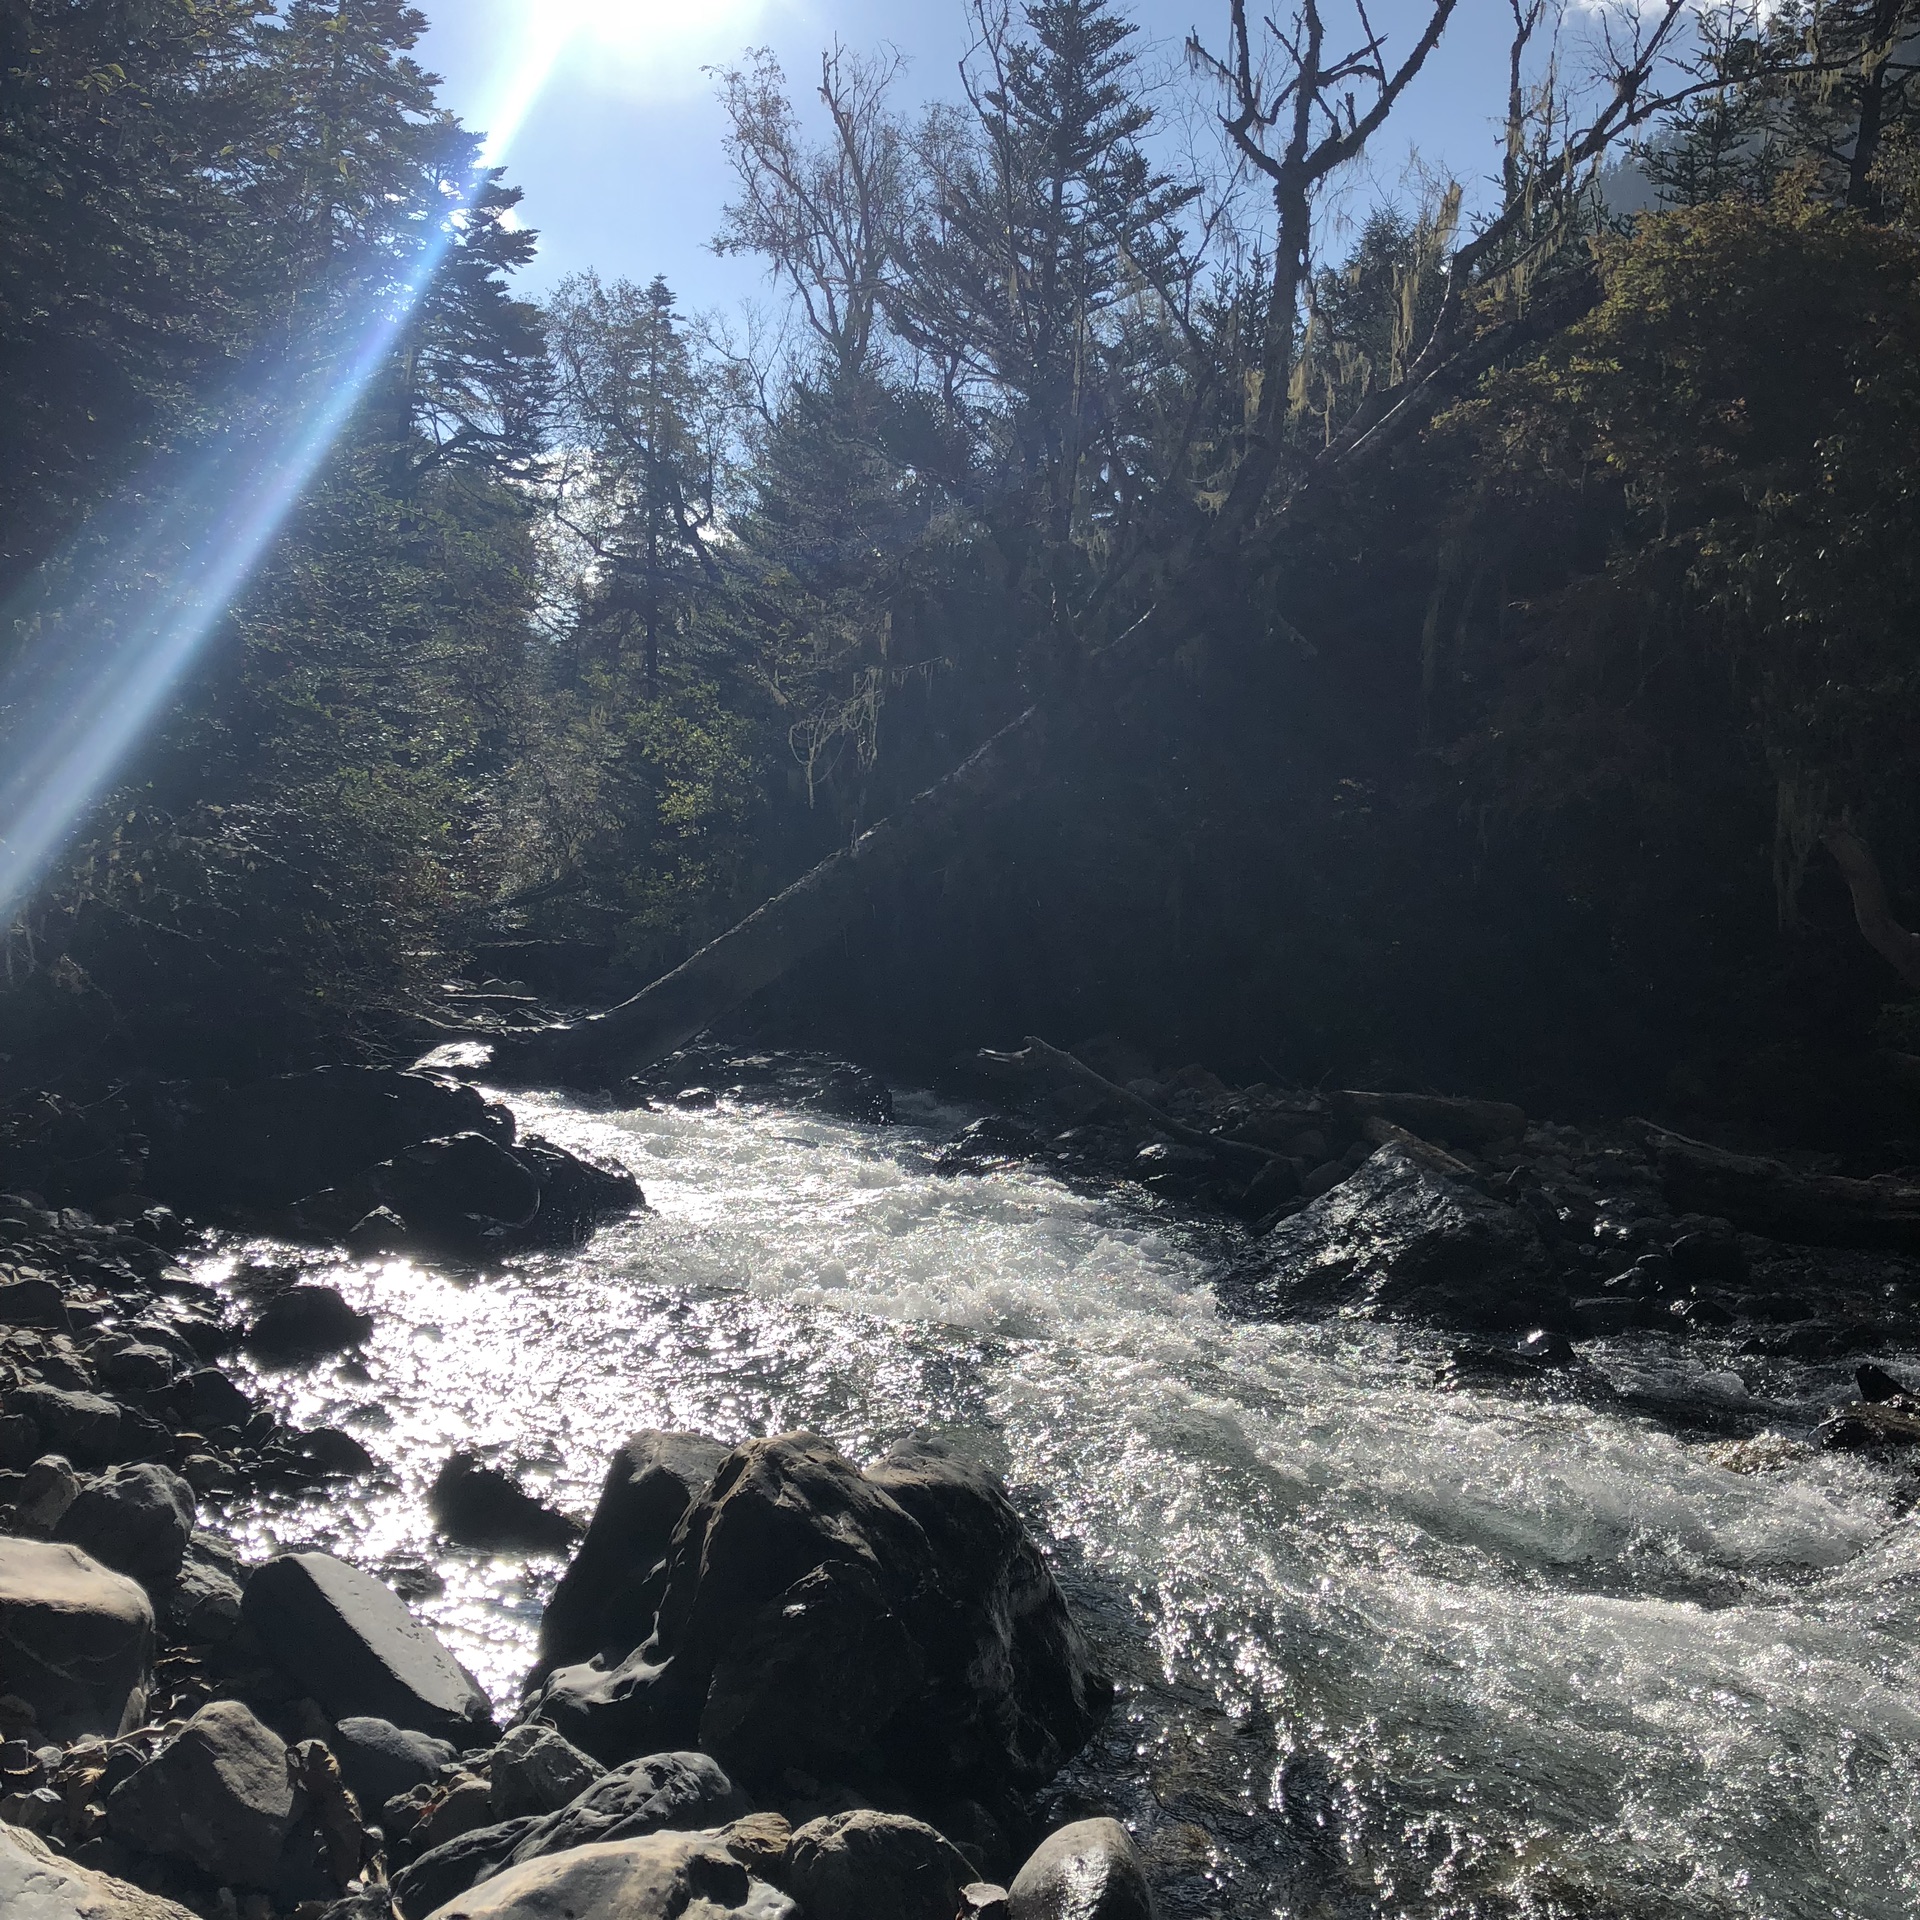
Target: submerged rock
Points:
(350, 1642)
(477, 1505)
(1399, 1237)
(875, 1866)
(841, 1624)
(306, 1323)
(218, 1796)
(607, 1598)
(664, 1874)
(1087, 1871)
(76, 1639)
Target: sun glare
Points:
(646, 29)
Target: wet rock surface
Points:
(610, 1592)
(664, 1875)
(1087, 1871)
(1396, 1236)
(336, 1632)
(810, 1621)
(874, 1866)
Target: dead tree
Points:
(1884, 934)
(1295, 127)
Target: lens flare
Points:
(74, 718)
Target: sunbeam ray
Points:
(78, 717)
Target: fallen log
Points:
(1766, 1196)
(817, 909)
(1383, 1133)
(1435, 1116)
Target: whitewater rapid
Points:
(1389, 1647)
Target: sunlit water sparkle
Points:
(1388, 1648)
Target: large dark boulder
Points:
(1088, 1871)
(607, 1598)
(684, 1791)
(471, 1197)
(137, 1520)
(874, 1866)
(76, 1639)
(576, 1195)
(1397, 1237)
(1016, 1689)
(450, 1192)
(811, 1620)
(217, 1795)
(349, 1642)
(661, 1877)
(265, 1146)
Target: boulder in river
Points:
(476, 1505)
(217, 1795)
(897, 1624)
(306, 1323)
(37, 1884)
(268, 1145)
(470, 1196)
(607, 1598)
(337, 1634)
(664, 1874)
(136, 1520)
(1087, 1871)
(875, 1866)
(1401, 1237)
(76, 1639)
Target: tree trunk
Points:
(1884, 934)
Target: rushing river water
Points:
(1388, 1648)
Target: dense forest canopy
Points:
(1439, 637)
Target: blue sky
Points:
(620, 154)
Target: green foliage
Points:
(1747, 388)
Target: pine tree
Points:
(640, 489)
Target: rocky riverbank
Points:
(771, 1680)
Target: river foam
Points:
(1390, 1647)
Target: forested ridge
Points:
(1436, 641)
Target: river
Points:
(1388, 1647)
